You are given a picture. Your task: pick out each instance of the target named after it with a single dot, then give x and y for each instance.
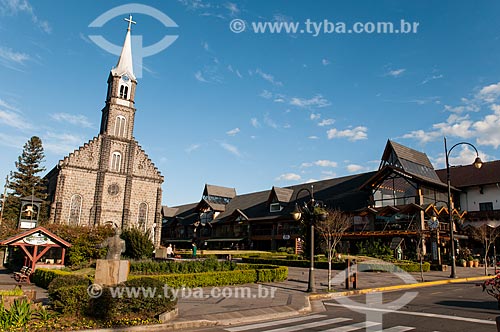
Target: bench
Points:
(23, 275)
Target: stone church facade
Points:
(110, 179)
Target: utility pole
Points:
(3, 198)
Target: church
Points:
(110, 179)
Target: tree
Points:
(487, 234)
(332, 229)
(25, 181)
(138, 245)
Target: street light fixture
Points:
(306, 212)
(477, 164)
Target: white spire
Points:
(124, 65)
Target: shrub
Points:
(43, 277)
(374, 248)
(70, 300)
(66, 281)
(138, 245)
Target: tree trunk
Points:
(329, 269)
(421, 260)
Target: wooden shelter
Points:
(41, 247)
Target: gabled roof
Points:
(168, 212)
(410, 160)
(211, 190)
(214, 206)
(40, 229)
(283, 195)
(31, 198)
(469, 176)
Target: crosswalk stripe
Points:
(309, 325)
(353, 327)
(399, 329)
(413, 313)
(273, 323)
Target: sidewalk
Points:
(290, 297)
(7, 282)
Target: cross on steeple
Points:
(130, 22)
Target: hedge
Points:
(393, 267)
(244, 274)
(295, 263)
(405, 266)
(210, 264)
(43, 277)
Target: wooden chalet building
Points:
(395, 203)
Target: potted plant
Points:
(470, 261)
(476, 262)
(462, 262)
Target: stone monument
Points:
(112, 270)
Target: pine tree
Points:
(26, 181)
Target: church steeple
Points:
(119, 112)
(124, 65)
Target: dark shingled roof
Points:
(283, 194)
(469, 176)
(404, 152)
(211, 190)
(168, 211)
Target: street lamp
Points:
(306, 212)
(477, 164)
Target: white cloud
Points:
(422, 136)
(320, 163)
(353, 168)
(12, 56)
(488, 129)
(79, 120)
(231, 148)
(199, 76)
(192, 148)
(6, 105)
(325, 62)
(288, 177)
(316, 101)
(255, 123)
(266, 94)
(354, 134)
(233, 8)
(315, 116)
(205, 46)
(61, 144)
(396, 72)
(13, 7)
(462, 155)
(268, 77)
(270, 122)
(489, 93)
(431, 78)
(12, 141)
(195, 4)
(233, 132)
(14, 120)
(313, 137)
(326, 122)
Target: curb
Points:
(327, 296)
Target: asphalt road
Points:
(452, 307)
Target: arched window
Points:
(116, 160)
(120, 123)
(125, 94)
(75, 210)
(142, 216)
(124, 91)
(122, 88)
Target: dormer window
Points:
(275, 207)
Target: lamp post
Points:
(310, 217)
(477, 164)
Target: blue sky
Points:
(252, 110)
